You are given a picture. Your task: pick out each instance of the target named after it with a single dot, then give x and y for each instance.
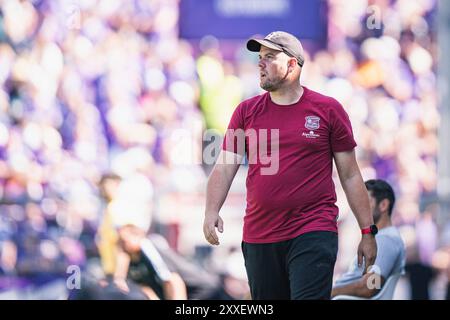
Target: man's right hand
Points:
(211, 222)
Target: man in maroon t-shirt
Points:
(290, 135)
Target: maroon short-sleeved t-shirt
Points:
(297, 194)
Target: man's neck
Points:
(136, 256)
(384, 223)
(288, 95)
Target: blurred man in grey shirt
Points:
(391, 250)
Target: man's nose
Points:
(261, 64)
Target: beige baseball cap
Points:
(281, 41)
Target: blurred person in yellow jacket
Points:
(107, 235)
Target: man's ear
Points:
(291, 64)
(384, 205)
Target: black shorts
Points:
(296, 269)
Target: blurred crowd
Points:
(103, 110)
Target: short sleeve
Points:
(387, 255)
(341, 135)
(152, 254)
(234, 138)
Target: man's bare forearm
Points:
(358, 288)
(358, 199)
(353, 289)
(219, 184)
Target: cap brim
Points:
(254, 45)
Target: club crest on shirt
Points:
(312, 122)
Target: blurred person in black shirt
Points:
(161, 271)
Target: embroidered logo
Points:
(312, 122)
(310, 135)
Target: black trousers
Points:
(296, 269)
